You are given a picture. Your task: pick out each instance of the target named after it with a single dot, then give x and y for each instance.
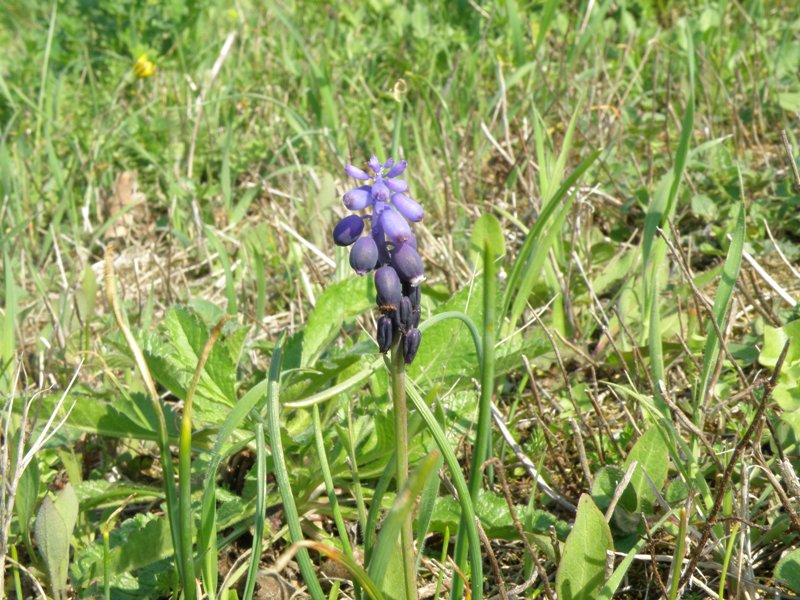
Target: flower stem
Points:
(185, 467)
(398, 373)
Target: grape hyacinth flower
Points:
(389, 247)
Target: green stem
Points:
(680, 552)
(484, 428)
(185, 500)
(398, 372)
(185, 467)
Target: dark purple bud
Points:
(397, 185)
(389, 288)
(357, 173)
(414, 294)
(395, 226)
(364, 255)
(380, 240)
(348, 230)
(407, 207)
(380, 192)
(411, 345)
(404, 310)
(416, 314)
(408, 264)
(397, 169)
(384, 333)
(358, 198)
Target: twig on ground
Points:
(528, 463)
(501, 475)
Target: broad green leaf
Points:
(53, 530)
(789, 101)
(27, 495)
(605, 486)
(488, 231)
(787, 570)
(340, 302)
(774, 340)
(651, 452)
(447, 348)
(581, 572)
(496, 521)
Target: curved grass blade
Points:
(461, 487)
(521, 279)
(208, 519)
(351, 565)
(282, 473)
(261, 512)
(403, 504)
(722, 304)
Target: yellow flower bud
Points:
(144, 67)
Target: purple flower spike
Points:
(358, 198)
(384, 333)
(389, 288)
(408, 265)
(357, 173)
(411, 345)
(397, 185)
(348, 230)
(397, 169)
(380, 192)
(407, 207)
(395, 226)
(374, 164)
(364, 255)
(389, 247)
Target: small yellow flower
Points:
(144, 67)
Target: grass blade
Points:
(722, 304)
(261, 512)
(282, 473)
(522, 269)
(390, 530)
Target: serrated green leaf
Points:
(174, 352)
(581, 572)
(137, 542)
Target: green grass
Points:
(631, 152)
